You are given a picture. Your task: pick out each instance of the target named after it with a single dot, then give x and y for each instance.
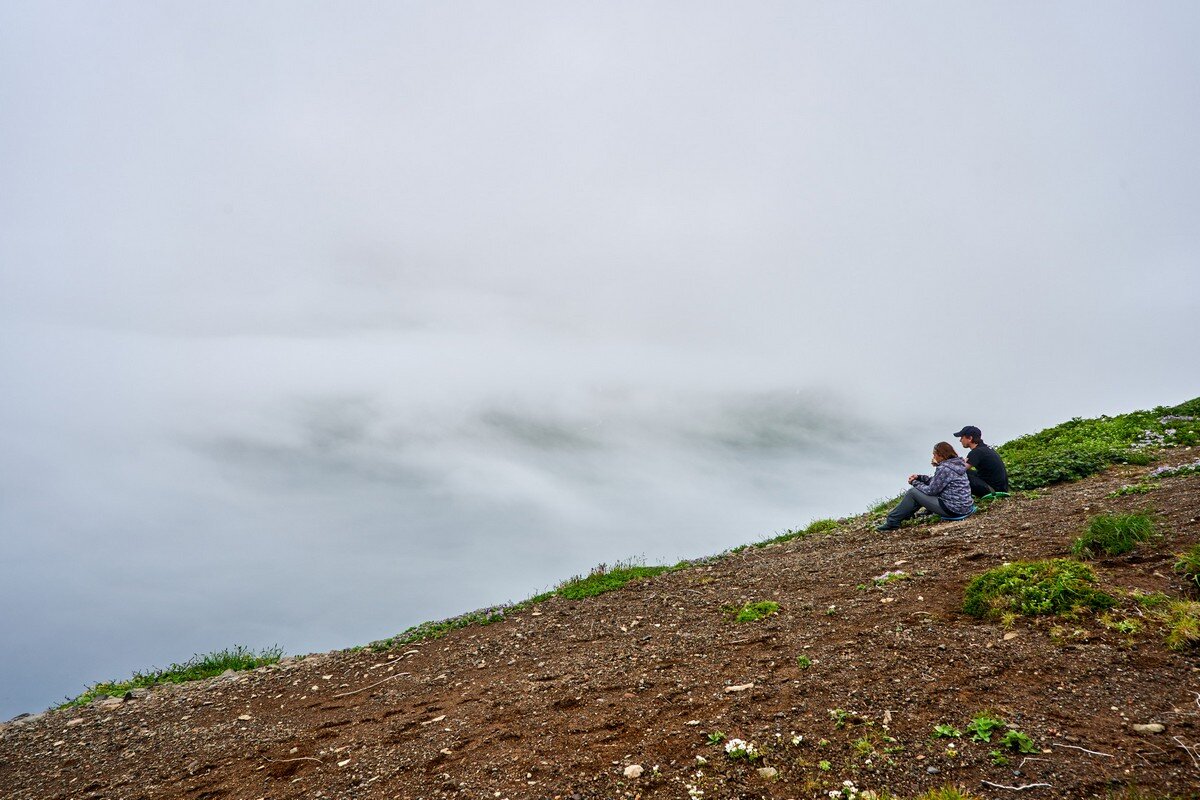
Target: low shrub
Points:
(1113, 534)
(1034, 588)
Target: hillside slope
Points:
(846, 682)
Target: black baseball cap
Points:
(970, 430)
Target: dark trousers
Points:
(978, 487)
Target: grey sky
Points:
(479, 294)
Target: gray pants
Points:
(913, 499)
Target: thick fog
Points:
(320, 320)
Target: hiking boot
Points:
(887, 526)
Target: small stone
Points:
(932, 770)
(245, 718)
(71, 723)
(634, 771)
(1150, 727)
(701, 761)
(740, 688)
(137, 694)
(343, 762)
(1008, 637)
(767, 773)
(692, 722)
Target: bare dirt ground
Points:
(564, 699)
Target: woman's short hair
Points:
(944, 450)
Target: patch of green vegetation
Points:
(1020, 742)
(752, 612)
(1182, 618)
(824, 766)
(894, 575)
(1082, 447)
(1124, 625)
(886, 505)
(1033, 588)
(982, 727)
(1188, 565)
(716, 737)
(841, 717)
(196, 668)
(945, 731)
(998, 758)
(602, 580)
(1113, 534)
(1135, 488)
(1149, 600)
(804, 662)
(814, 527)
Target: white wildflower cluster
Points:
(848, 791)
(796, 738)
(694, 791)
(1182, 469)
(739, 748)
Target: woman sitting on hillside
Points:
(947, 493)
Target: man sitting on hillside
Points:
(989, 474)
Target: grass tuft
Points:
(196, 668)
(1188, 566)
(1034, 588)
(1182, 618)
(753, 612)
(602, 580)
(1113, 534)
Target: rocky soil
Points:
(619, 695)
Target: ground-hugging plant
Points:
(982, 727)
(1034, 588)
(236, 658)
(1188, 566)
(753, 612)
(1113, 534)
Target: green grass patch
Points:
(816, 526)
(1034, 588)
(884, 506)
(1182, 619)
(1188, 566)
(196, 668)
(1113, 534)
(602, 581)
(752, 612)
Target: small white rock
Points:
(1151, 727)
(634, 771)
(767, 773)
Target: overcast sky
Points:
(320, 319)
